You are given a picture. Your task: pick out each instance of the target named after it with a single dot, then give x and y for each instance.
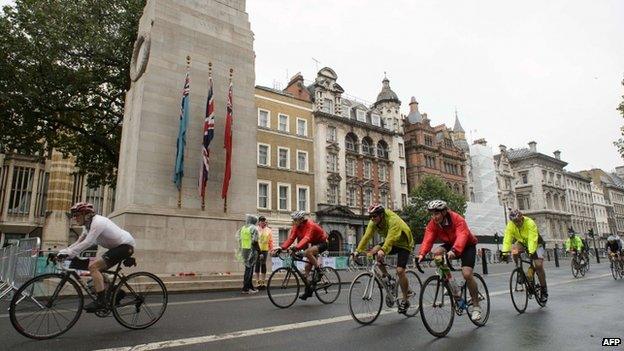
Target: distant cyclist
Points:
(614, 247)
(458, 242)
(397, 239)
(102, 231)
(523, 233)
(574, 244)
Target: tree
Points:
(431, 188)
(620, 143)
(64, 72)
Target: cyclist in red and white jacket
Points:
(458, 242)
(310, 237)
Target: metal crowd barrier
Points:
(21, 265)
(6, 263)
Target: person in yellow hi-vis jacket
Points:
(523, 231)
(265, 240)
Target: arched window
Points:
(367, 146)
(382, 149)
(351, 142)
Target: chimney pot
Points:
(533, 146)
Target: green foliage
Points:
(431, 188)
(64, 72)
(620, 143)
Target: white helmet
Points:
(437, 205)
(297, 215)
(611, 238)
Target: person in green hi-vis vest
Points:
(248, 235)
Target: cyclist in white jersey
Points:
(101, 231)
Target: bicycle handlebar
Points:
(447, 262)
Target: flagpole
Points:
(188, 68)
(225, 199)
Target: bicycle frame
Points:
(368, 291)
(295, 269)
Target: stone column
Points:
(58, 203)
(171, 239)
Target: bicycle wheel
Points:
(46, 306)
(518, 290)
(365, 298)
(575, 269)
(537, 292)
(140, 300)
(283, 287)
(328, 287)
(614, 271)
(484, 301)
(415, 285)
(437, 306)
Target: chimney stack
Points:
(502, 148)
(557, 154)
(533, 146)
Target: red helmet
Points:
(82, 207)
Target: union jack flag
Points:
(208, 135)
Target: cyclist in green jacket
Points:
(523, 231)
(574, 244)
(398, 240)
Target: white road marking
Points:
(278, 328)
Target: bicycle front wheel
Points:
(518, 290)
(283, 287)
(46, 306)
(614, 271)
(437, 306)
(365, 298)
(328, 287)
(139, 300)
(484, 301)
(415, 285)
(576, 271)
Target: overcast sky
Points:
(516, 71)
(548, 71)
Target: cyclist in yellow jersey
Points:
(523, 231)
(574, 245)
(398, 240)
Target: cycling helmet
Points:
(297, 215)
(82, 207)
(611, 238)
(375, 209)
(570, 232)
(515, 214)
(437, 205)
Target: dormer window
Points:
(376, 120)
(361, 115)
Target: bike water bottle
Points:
(530, 274)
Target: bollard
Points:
(597, 256)
(557, 255)
(484, 261)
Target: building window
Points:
(302, 198)
(331, 134)
(401, 150)
(42, 193)
(383, 198)
(328, 106)
(351, 196)
(283, 123)
(264, 155)
(302, 127)
(360, 115)
(350, 167)
(367, 148)
(367, 170)
(332, 194)
(350, 143)
(77, 188)
(404, 199)
(332, 163)
(376, 119)
(96, 197)
(346, 111)
(428, 140)
(283, 157)
(382, 150)
(402, 171)
(283, 191)
(382, 172)
(264, 195)
(368, 197)
(524, 177)
(21, 191)
(264, 118)
(430, 162)
(302, 161)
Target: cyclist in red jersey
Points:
(310, 237)
(458, 242)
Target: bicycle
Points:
(55, 300)
(523, 286)
(579, 269)
(367, 290)
(617, 266)
(438, 301)
(284, 283)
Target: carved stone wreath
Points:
(140, 56)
